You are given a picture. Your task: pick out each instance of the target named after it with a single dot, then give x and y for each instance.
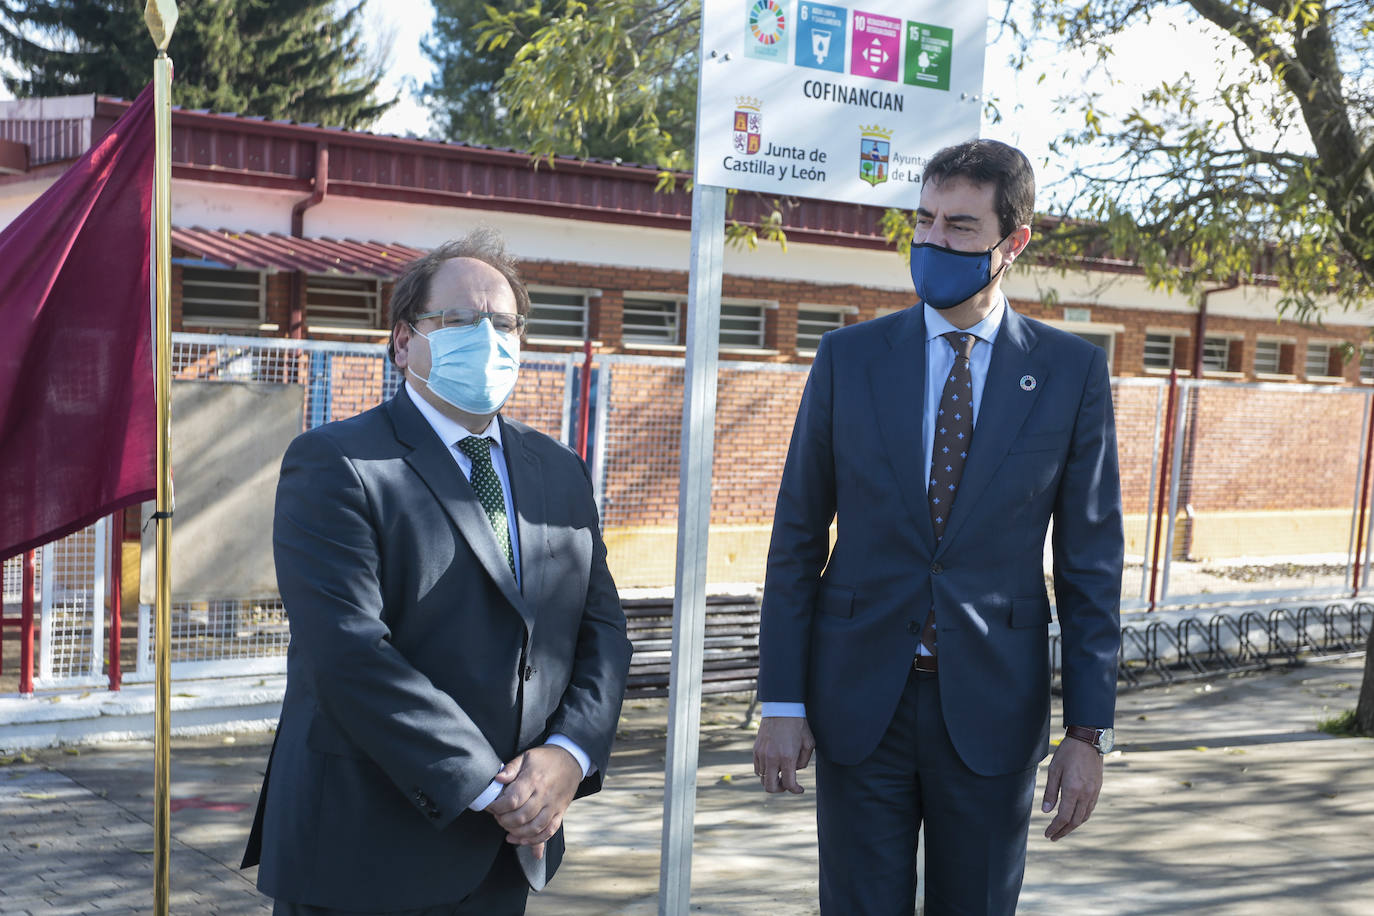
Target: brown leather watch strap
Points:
(1084, 734)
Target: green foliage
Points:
(615, 79)
(463, 96)
(299, 59)
(1260, 176)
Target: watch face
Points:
(1106, 740)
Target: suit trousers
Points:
(868, 816)
(503, 892)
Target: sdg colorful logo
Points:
(875, 47)
(927, 55)
(820, 36)
(766, 31)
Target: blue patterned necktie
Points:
(953, 436)
(487, 486)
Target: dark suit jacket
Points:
(416, 666)
(840, 628)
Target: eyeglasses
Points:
(505, 322)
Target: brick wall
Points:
(780, 330)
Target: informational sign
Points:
(838, 101)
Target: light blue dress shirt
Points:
(452, 432)
(939, 362)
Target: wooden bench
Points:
(730, 658)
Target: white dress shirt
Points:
(452, 432)
(939, 362)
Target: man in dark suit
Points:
(913, 657)
(458, 651)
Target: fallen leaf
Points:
(41, 796)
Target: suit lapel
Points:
(898, 380)
(528, 495)
(1004, 408)
(435, 465)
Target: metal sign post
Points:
(827, 103)
(693, 523)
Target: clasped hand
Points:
(539, 786)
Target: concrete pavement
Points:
(1224, 799)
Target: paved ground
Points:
(1224, 799)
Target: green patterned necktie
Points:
(487, 486)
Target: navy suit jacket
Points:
(840, 627)
(416, 665)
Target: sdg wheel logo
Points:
(766, 22)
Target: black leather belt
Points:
(927, 663)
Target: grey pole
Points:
(693, 522)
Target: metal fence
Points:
(1232, 492)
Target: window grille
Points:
(558, 315)
(342, 302)
(813, 322)
(214, 296)
(1318, 361)
(1216, 354)
(1269, 356)
(650, 321)
(741, 326)
(1159, 351)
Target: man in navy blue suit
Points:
(913, 656)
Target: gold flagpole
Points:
(161, 17)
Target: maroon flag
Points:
(78, 423)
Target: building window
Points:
(1274, 357)
(812, 322)
(1159, 351)
(1267, 356)
(342, 302)
(222, 297)
(650, 321)
(1323, 361)
(559, 315)
(741, 326)
(1217, 354)
(1367, 365)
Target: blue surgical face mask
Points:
(945, 277)
(473, 368)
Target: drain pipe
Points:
(296, 322)
(1186, 464)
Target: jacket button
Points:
(528, 672)
(936, 568)
(913, 627)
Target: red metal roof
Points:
(274, 251)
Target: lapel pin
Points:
(1027, 383)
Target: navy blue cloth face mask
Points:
(945, 277)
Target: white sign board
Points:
(840, 101)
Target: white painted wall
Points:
(221, 206)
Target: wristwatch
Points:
(1104, 739)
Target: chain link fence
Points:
(1261, 488)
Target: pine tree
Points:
(297, 59)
